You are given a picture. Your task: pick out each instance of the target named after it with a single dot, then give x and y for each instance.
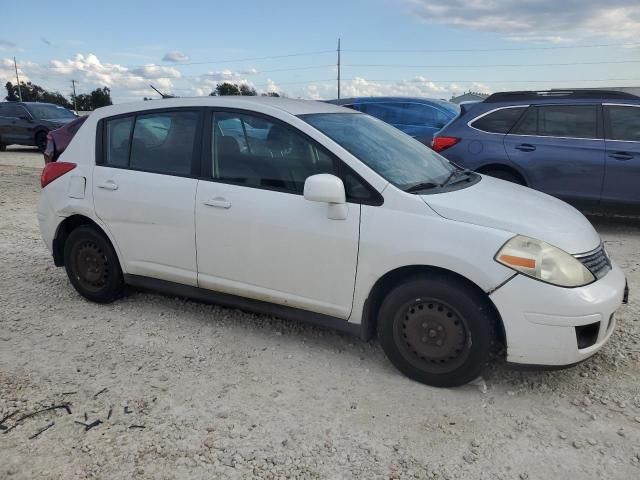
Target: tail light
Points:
(54, 170)
(442, 143)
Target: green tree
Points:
(35, 93)
(100, 97)
(271, 94)
(227, 88)
(248, 91)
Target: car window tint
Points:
(118, 134)
(387, 112)
(255, 152)
(424, 115)
(164, 142)
(529, 123)
(500, 121)
(576, 121)
(624, 123)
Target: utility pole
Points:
(15, 65)
(75, 108)
(338, 69)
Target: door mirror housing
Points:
(25, 117)
(327, 188)
(324, 187)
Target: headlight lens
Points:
(538, 259)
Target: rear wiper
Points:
(416, 187)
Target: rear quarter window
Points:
(499, 121)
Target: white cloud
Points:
(8, 73)
(416, 87)
(540, 20)
(175, 56)
(156, 71)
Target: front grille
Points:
(596, 261)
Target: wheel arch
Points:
(66, 227)
(386, 283)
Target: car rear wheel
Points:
(92, 265)
(437, 330)
(505, 175)
(41, 141)
(3, 147)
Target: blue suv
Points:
(419, 117)
(582, 146)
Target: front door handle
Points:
(526, 147)
(621, 155)
(218, 202)
(108, 185)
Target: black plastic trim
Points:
(570, 94)
(247, 304)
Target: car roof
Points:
(343, 101)
(291, 106)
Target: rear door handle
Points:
(621, 155)
(108, 185)
(526, 147)
(218, 202)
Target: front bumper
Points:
(540, 320)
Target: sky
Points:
(429, 48)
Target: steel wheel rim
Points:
(432, 335)
(90, 266)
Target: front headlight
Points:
(538, 259)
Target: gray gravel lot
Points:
(226, 394)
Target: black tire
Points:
(3, 147)
(41, 141)
(437, 330)
(92, 265)
(505, 175)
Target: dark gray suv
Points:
(27, 123)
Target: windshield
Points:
(397, 157)
(50, 112)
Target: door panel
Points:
(256, 235)
(545, 145)
(621, 190)
(276, 247)
(150, 216)
(150, 213)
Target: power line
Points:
(492, 65)
(405, 81)
(503, 49)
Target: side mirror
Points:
(25, 117)
(327, 188)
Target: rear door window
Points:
(573, 121)
(164, 142)
(499, 121)
(117, 138)
(623, 123)
(160, 142)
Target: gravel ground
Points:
(188, 390)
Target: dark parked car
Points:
(27, 123)
(57, 140)
(582, 146)
(418, 117)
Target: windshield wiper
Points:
(416, 187)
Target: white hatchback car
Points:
(311, 211)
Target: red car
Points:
(57, 140)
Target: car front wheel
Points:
(92, 265)
(437, 330)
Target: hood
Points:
(499, 204)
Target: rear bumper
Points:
(540, 320)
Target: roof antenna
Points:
(163, 95)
